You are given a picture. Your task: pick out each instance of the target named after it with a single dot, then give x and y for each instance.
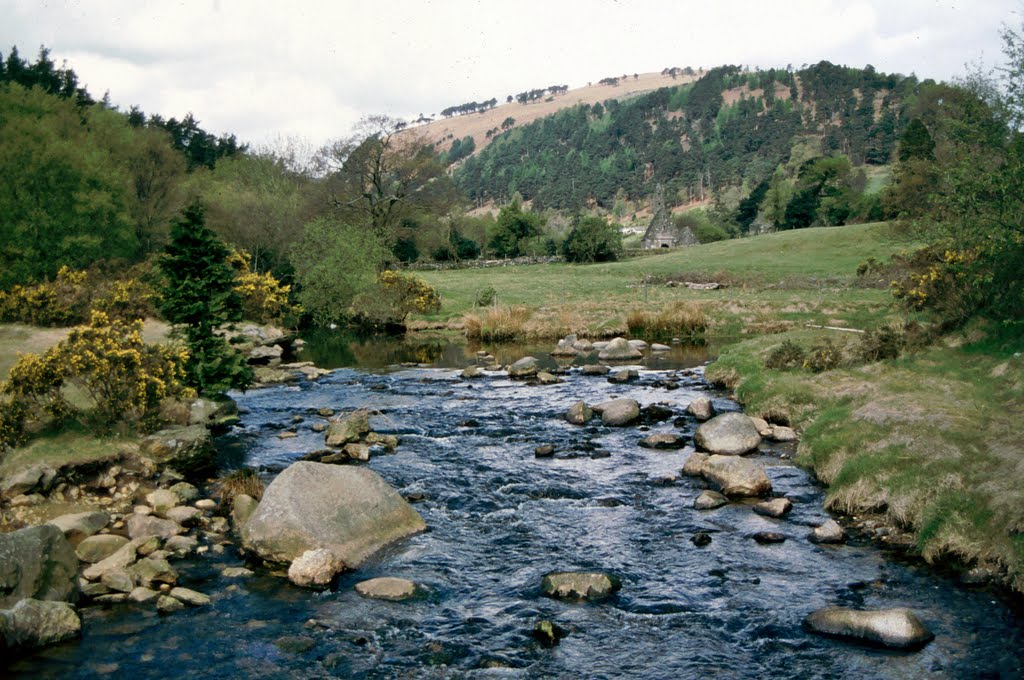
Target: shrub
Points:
(393, 298)
(938, 280)
(61, 302)
(497, 324)
(12, 423)
(125, 300)
(593, 240)
(786, 356)
(883, 342)
(486, 297)
(679, 320)
(703, 228)
(824, 356)
(124, 378)
(264, 298)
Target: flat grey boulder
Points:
(349, 428)
(566, 347)
(776, 507)
(122, 557)
(34, 478)
(618, 412)
(388, 588)
(189, 450)
(349, 510)
(37, 563)
(579, 413)
(895, 628)
(595, 369)
(623, 376)
(526, 367)
(780, 433)
(701, 408)
(193, 598)
(577, 585)
(471, 372)
(663, 440)
(619, 349)
(729, 434)
(80, 525)
(709, 500)
(242, 508)
(141, 526)
(36, 623)
(736, 477)
(98, 548)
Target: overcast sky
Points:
(311, 69)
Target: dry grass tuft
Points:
(685, 320)
(497, 324)
(245, 481)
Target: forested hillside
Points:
(728, 129)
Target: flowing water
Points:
(500, 518)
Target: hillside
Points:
(727, 128)
(443, 131)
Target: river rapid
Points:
(499, 518)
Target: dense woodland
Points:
(91, 186)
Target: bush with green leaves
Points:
(514, 228)
(199, 298)
(593, 239)
(823, 356)
(786, 356)
(884, 342)
(392, 299)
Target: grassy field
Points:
(804, 276)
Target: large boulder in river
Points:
(730, 434)
(895, 628)
(37, 563)
(37, 623)
(619, 349)
(701, 408)
(618, 412)
(526, 367)
(579, 413)
(189, 450)
(736, 477)
(348, 510)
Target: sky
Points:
(271, 70)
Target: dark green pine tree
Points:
(917, 142)
(199, 298)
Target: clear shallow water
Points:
(499, 519)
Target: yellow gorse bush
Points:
(123, 378)
(52, 303)
(264, 299)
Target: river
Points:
(499, 518)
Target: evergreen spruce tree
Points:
(199, 298)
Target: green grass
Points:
(802, 276)
(71, 447)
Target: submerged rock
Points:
(709, 500)
(471, 372)
(624, 376)
(894, 628)
(769, 537)
(37, 563)
(776, 507)
(545, 378)
(729, 434)
(37, 623)
(388, 588)
(701, 539)
(575, 585)
(548, 633)
(190, 597)
(349, 510)
(736, 477)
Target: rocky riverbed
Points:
(554, 546)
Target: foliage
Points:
(243, 481)
(593, 239)
(786, 356)
(264, 298)
(498, 323)
(125, 300)
(702, 226)
(938, 280)
(198, 297)
(457, 248)
(883, 342)
(393, 298)
(823, 356)
(61, 302)
(405, 249)
(514, 227)
(334, 262)
(124, 378)
(486, 297)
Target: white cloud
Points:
(259, 68)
